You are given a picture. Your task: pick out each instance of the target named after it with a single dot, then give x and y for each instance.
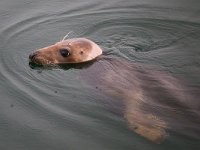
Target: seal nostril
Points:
(31, 56)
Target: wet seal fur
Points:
(153, 102)
(69, 51)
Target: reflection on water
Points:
(56, 108)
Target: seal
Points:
(153, 103)
(77, 50)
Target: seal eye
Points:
(64, 52)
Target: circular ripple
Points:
(123, 36)
(59, 92)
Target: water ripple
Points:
(138, 33)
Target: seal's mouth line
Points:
(43, 62)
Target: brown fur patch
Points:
(80, 49)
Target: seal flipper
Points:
(146, 125)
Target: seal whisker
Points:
(66, 35)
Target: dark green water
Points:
(53, 109)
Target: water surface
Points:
(53, 109)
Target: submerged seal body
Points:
(153, 103)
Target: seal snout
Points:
(35, 58)
(33, 55)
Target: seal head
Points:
(70, 51)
